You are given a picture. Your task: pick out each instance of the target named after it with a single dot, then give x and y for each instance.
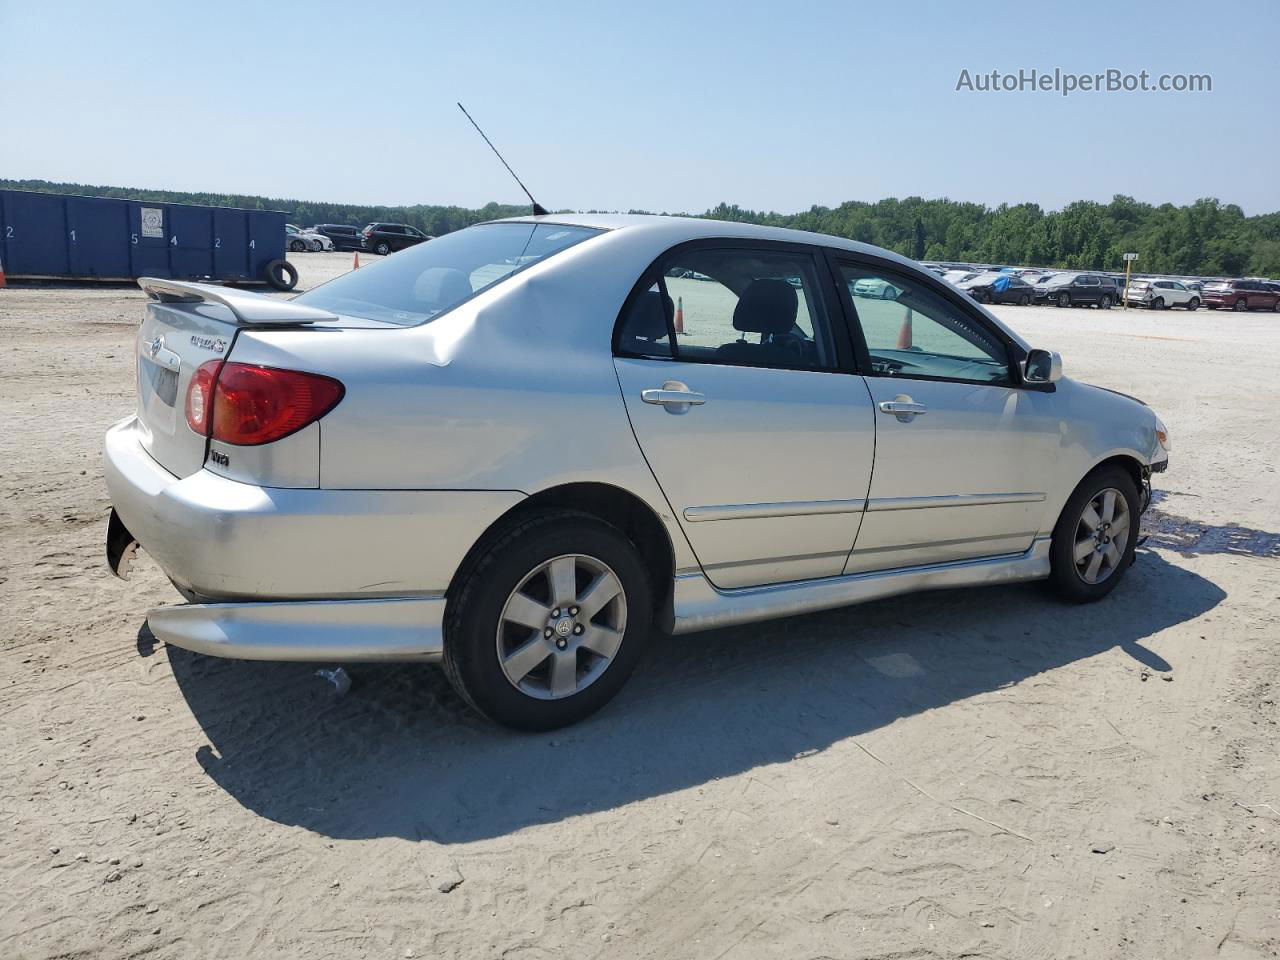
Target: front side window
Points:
(425, 280)
(918, 333)
(747, 307)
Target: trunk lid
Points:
(189, 325)
(173, 341)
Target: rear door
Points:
(963, 454)
(766, 464)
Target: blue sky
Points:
(654, 105)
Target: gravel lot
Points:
(982, 773)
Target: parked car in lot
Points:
(999, 288)
(874, 287)
(1162, 295)
(298, 240)
(497, 452)
(342, 235)
(957, 277)
(385, 238)
(1078, 289)
(1240, 295)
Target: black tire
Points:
(1105, 302)
(1193, 304)
(382, 248)
(1063, 300)
(1064, 577)
(1024, 301)
(1276, 306)
(1240, 306)
(476, 604)
(1156, 304)
(281, 274)
(297, 246)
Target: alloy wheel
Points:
(1102, 534)
(561, 627)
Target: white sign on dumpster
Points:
(1131, 256)
(152, 222)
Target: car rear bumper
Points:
(329, 631)
(226, 540)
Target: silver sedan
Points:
(521, 448)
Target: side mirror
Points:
(1042, 366)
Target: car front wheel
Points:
(1193, 304)
(1064, 300)
(1241, 305)
(1095, 537)
(548, 621)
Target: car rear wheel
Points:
(1105, 302)
(1276, 306)
(1064, 300)
(1024, 300)
(382, 248)
(1240, 306)
(1095, 537)
(1157, 303)
(1193, 304)
(548, 622)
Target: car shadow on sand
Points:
(400, 755)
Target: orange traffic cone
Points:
(679, 314)
(355, 260)
(3, 281)
(904, 332)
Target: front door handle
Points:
(904, 408)
(674, 396)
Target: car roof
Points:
(676, 229)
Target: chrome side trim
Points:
(956, 500)
(249, 308)
(309, 630)
(795, 508)
(697, 605)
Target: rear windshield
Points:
(424, 281)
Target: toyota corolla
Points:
(519, 449)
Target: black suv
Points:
(344, 236)
(384, 238)
(1078, 289)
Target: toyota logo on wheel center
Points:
(563, 626)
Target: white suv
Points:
(1162, 294)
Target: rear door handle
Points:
(904, 410)
(674, 396)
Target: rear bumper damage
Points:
(292, 574)
(329, 631)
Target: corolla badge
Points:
(216, 344)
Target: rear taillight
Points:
(247, 406)
(200, 396)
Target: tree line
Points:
(1205, 238)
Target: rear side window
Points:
(742, 307)
(425, 280)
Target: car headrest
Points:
(649, 315)
(766, 306)
(441, 287)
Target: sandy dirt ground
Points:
(981, 773)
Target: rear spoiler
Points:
(249, 309)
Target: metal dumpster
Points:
(48, 235)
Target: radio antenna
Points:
(538, 210)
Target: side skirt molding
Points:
(697, 605)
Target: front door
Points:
(962, 452)
(731, 373)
